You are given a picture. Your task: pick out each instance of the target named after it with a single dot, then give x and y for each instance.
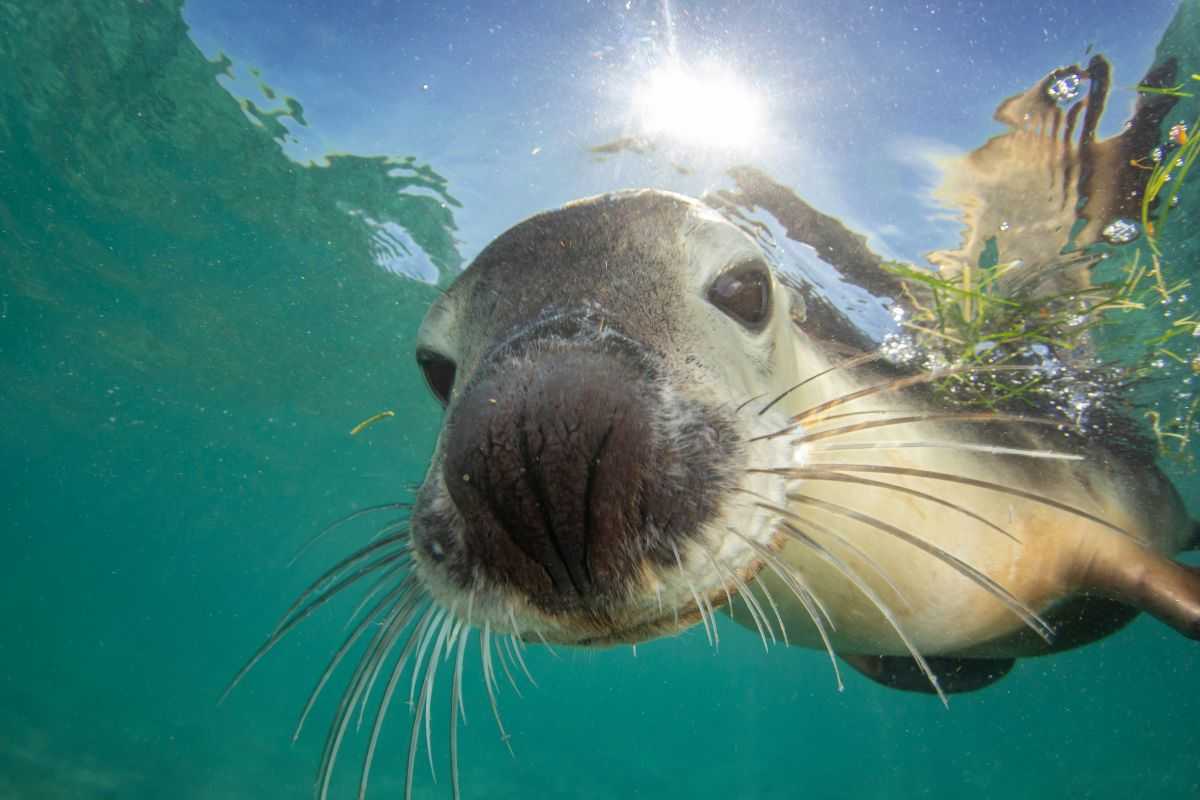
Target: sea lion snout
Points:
(545, 460)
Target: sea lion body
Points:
(1052, 555)
(1008, 520)
(646, 423)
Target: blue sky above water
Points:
(506, 98)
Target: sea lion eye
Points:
(743, 293)
(439, 374)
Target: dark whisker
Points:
(897, 384)
(963, 417)
(865, 358)
(742, 406)
(830, 475)
(982, 484)
(1026, 614)
(967, 447)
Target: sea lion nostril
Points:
(544, 460)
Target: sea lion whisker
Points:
(775, 609)
(321, 584)
(849, 545)
(742, 406)
(708, 633)
(799, 588)
(375, 671)
(394, 526)
(426, 638)
(500, 648)
(946, 445)
(420, 711)
(448, 624)
(456, 699)
(291, 620)
(489, 681)
(831, 475)
(865, 358)
(339, 522)
(512, 620)
(546, 644)
(1027, 615)
(380, 646)
(721, 577)
(977, 482)
(520, 659)
(397, 620)
(375, 588)
(388, 692)
(865, 588)
(755, 610)
(965, 417)
(814, 412)
(398, 603)
(447, 636)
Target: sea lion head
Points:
(590, 481)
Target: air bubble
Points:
(1065, 89)
(1121, 231)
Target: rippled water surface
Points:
(220, 225)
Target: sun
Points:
(708, 107)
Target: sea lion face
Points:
(589, 484)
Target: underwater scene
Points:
(831, 432)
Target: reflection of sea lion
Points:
(643, 426)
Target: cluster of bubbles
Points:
(1121, 231)
(1065, 89)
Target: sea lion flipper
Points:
(955, 675)
(1146, 580)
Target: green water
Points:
(191, 322)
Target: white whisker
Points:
(883, 608)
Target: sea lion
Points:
(645, 422)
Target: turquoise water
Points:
(206, 284)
